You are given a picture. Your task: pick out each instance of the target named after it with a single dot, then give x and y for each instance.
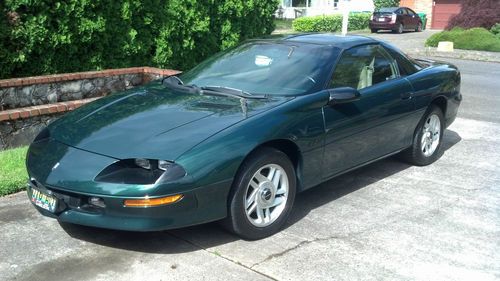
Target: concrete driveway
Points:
(387, 221)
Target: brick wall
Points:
(29, 104)
(420, 6)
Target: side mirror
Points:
(343, 95)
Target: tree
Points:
(476, 13)
(385, 3)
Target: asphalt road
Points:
(387, 221)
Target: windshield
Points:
(266, 68)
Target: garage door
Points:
(442, 11)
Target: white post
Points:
(345, 17)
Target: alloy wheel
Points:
(430, 135)
(266, 195)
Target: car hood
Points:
(152, 122)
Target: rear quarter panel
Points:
(435, 81)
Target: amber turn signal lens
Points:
(151, 202)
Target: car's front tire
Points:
(427, 141)
(373, 30)
(262, 195)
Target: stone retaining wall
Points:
(28, 104)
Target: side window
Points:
(362, 67)
(405, 66)
(411, 12)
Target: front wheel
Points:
(426, 146)
(262, 195)
(373, 30)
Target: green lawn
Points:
(13, 175)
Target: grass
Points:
(13, 175)
(468, 39)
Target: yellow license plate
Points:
(44, 201)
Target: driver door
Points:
(376, 124)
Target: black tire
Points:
(373, 30)
(419, 27)
(400, 29)
(414, 154)
(237, 220)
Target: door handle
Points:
(405, 96)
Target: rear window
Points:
(406, 65)
(388, 10)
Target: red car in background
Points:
(397, 19)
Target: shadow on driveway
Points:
(212, 234)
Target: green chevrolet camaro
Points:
(239, 136)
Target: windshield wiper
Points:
(177, 84)
(229, 92)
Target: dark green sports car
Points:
(237, 137)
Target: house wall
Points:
(420, 6)
(322, 7)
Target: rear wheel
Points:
(262, 195)
(399, 29)
(426, 146)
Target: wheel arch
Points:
(291, 150)
(440, 102)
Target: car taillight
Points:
(393, 18)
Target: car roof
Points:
(330, 39)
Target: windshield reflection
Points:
(272, 68)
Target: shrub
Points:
(468, 39)
(331, 23)
(45, 36)
(496, 29)
(476, 13)
(385, 3)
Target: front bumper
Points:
(68, 174)
(198, 206)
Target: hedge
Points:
(46, 36)
(496, 30)
(468, 39)
(331, 23)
